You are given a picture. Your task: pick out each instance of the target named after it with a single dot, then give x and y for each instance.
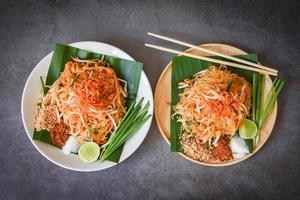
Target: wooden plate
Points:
(162, 100)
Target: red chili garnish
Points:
(222, 150)
(59, 134)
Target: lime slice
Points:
(248, 130)
(89, 152)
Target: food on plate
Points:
(212, 107)
(84, 110)
(220, 114)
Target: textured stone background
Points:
(29, 30)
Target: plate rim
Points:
(151, 111)
(233, 162)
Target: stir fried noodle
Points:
(213, 104)
(87, 101)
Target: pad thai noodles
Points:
(87, 102)
(211, 108)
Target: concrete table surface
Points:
(29, 31)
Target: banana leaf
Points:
(125, 69)
(185, 67)
(43, 135)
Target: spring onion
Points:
(89, 132)
(134, 118)
(254, 96)
(271, 99)
(261, 108)
(76, 77)
(43, 86)
(259, 97)
(229, 85)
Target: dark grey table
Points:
(29, 30)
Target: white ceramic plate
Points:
(30, 96)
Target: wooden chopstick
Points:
(213, 60)
(212, 52)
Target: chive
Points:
(127, 126)
(124, 125)
(269, 104)
(76, 77)
(102, 57)
(259, 103)
(229, 85)
(134, 118)
(89, 132)
(258, 97)
(39, 104)
(43, 85)
(96, 130)
(261, 100)
(120, 124)
(254, 82)
(272, 90)
(128, 133)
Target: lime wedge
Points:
(248, 129)
(89, 152)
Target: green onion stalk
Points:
(134, 118)
(261, 107)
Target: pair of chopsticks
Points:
(255, 67)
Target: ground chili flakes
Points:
(59, 134)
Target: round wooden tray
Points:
(162, 100)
